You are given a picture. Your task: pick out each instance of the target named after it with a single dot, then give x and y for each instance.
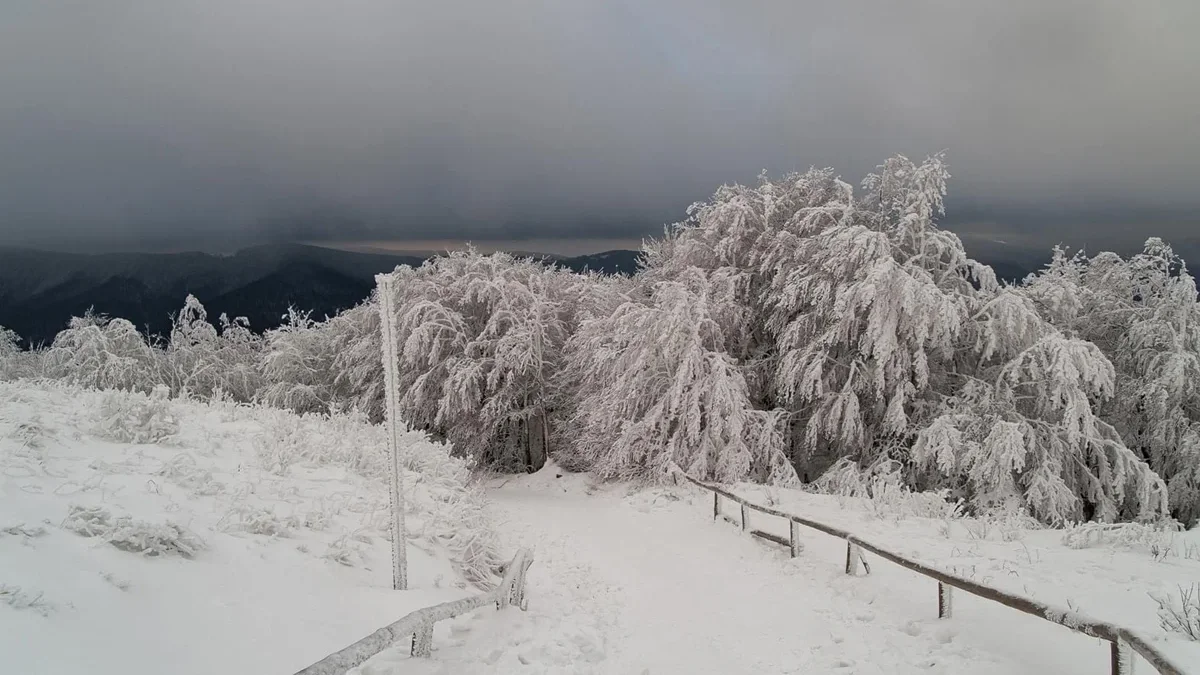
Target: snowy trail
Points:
(648, 584)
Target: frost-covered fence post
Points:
(517, 594)
(422, 640)
(794, 533)
(387, 330)
(745, 519)
(1122, 658)
(852, 557)
(945, 601)
(419, 625)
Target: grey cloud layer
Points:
(182, 120)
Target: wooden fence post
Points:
(716, 506)
(517, 594)
(1122, 658)
(794, 531)
(945, 601)
(853, 555)
(422, 641)
(745, 521)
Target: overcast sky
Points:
(128, 123)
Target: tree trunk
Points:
(535, 442)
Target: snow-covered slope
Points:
(139, 535)
(643, 582)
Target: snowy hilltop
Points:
(215, 538)
(780, 331)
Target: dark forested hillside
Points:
(608, 262)
(41, 290)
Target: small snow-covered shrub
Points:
(345, 440)
(16, 598)
(449, 510)
(257, 520)
(183, 471)
(101, 353)
(884, 493)
(135, 536)
(321, 516)
(88, 522)
(1180, 613)
(1156, 539)
(845, 479)
(31, 453)
(1012, 526)
(24, 530)
(1008, 521)
(345, 551)
(32, 434)
(154, 539)
(130, 417)
(317, 519)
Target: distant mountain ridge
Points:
(41, 290)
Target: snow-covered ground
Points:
(270, 535)
(1108, 572)
(645, 582)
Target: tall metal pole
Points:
(387, 334)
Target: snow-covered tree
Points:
(238, 353)
(10, 352)
(102, 353)
(189, 364)
(849, 301)
(295, 366)
(1027, 434)
(480, 338)
(319, 366)
(352, 338)
(875, 331)
(1143, 314)
(659, 393)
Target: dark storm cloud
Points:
(191, 121)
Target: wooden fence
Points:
(419, 624)
(1124, 642)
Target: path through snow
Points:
(646, 583)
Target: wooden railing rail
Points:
(1124, 641)
(419, 624)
